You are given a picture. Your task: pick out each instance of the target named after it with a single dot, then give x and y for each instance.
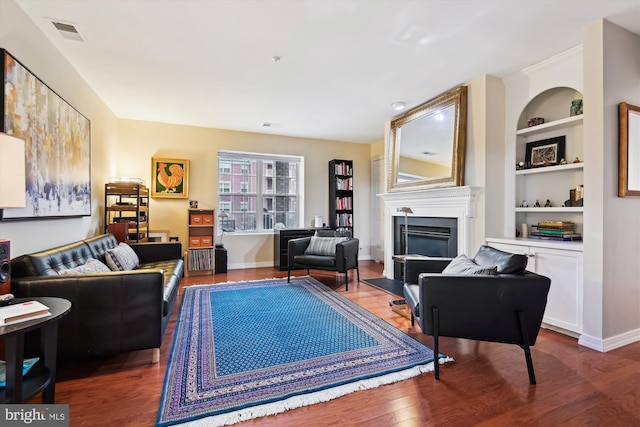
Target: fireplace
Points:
(454, 205)
(430, 236)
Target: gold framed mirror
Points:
(629, 158)
(427, 144)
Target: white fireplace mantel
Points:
(449, 202)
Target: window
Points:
(259, 191)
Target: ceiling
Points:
(211, 63)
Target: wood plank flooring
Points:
(486, 386)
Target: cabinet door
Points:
(564, 303)
(564, 268)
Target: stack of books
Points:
(563, 231)
(21, 312)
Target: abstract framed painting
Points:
(169, 178)
(57, 146)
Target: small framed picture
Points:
(169, 178)
(193, 204)
(546, 152)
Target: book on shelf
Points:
(556, 225)
(564, 238)
(22, 312)
(26, 365)
(556, 232)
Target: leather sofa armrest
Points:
(413, 267)
(157, 251)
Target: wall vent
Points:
(67, 31)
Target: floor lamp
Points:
(399, 306)
(406, 211)
(12, 194)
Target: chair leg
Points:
(346, 280)
(289, 275)
(436, 351)
(358, 271)
(525, 347)
(413, 320)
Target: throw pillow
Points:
(121, 258)
(463, 265)
(325, 246)
(91, 266)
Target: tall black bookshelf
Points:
(341, 195)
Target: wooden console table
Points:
(42, 376)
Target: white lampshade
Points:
(12, 172)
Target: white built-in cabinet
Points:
(562, 262)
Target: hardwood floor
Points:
(487, 385)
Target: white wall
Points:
(22, 38)
(612, 241)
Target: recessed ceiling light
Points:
(398, 106)
(276, 58)
(270, 125)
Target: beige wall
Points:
(143, 140)
(422, 169)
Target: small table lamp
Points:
(406, 211)
(12, 194)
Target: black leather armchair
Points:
(506, 307)
(345, 258)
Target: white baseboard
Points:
(608, 344)
(240, 266)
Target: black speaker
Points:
(5, 267)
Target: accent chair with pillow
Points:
(322, 252)
(491, 297)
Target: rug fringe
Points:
(311, 398)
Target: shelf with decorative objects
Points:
(549, 168)
(548, 201)
(127, 203)
(199, 258)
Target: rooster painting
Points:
(170, 178)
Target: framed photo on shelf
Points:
(57, 146)
(546, 152)
(169, 178)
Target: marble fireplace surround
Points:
(450, 202)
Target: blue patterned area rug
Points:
(249, 349)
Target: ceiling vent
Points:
(67, 31)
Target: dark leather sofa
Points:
(114, 312)
(506, 307)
